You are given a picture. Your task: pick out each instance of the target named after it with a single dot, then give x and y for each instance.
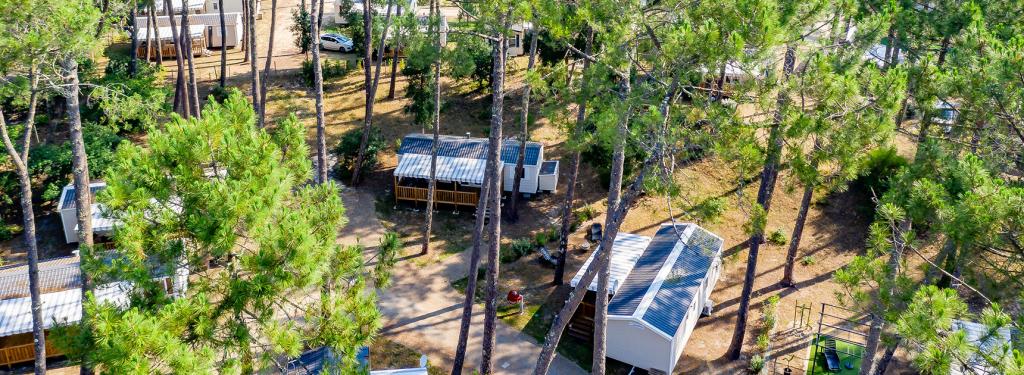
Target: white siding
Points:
(70, 221)
(528, 184)
(693, 313)
(211, 6)
(633, 342)
(232, 23)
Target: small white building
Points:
(230, 6)
(519, 42)
(101, 224)
(194, 6)
(654, 309)
(208, 24)
(461, 165)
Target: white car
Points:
(336, 42)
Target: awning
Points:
(164, 33)
(461, 170)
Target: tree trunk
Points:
(615, 217)
(474, 269)
(371, 87)
(574, 169)
(603, 264)
(159, 39)
(104, 12)
(394, 61)
(318, 91)
(245, 31)
(798, 230)
(223, 45)
(494, 169)
(25, 183)
(186, 41)
(769, 174)
(180, 90)
(524, 135)
(432, 184)
(149, 34)
(261, 120)
(257, 101)
(868, 365)
(83, 194)
(133, 55)
(883, 362)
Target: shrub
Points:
(329, 68)
(125, 102)
(541, 238)
(51, 163)
(517, 249)
(585, 213)
(777, 237)
(390, 245)
(879, 166)
(348, 150)
(8, 231)
(757, 363)
(708, 211)
(808, 260)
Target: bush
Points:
(124, 102)
(348, 150)
(777, 237)
(585, 213)
(808, 260)
(329, 68)
(541, 238)
(51, 163)
(8, 231)
(708, 211)
(757, 363)
(879, 166)
(390, 245)
(517, 249)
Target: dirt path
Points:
(421, 310)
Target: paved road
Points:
(421, 310)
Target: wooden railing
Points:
(463, 198)
(24, 353)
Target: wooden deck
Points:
(461, 198)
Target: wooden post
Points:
(395, 179)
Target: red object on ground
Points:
(514, 296)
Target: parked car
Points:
(336, 42)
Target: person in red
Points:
(515, 297)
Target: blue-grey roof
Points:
(69, 198)
(673, 297)
(470, 148)
(549, 167)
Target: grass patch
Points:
(386, 354)
(481, 280)
(848, 353)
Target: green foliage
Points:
(708, 211)
(300, 29)
(472, 60)
(50, 164)
(808, 260)
(879, 166)
(541, 238)
(517, 249)
(8, 231)
(777, 237)
(348, 150)
(220, 189)
(585, 213)
(124, 102)
(329, 69)
(757, 363)
(390, 246)
(419, 70)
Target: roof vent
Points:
(467, 135)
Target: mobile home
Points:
(102, 224)
(208, 24)
(461, 165)
(654, 309)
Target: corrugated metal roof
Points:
(669, 306)
(462, 170)
(58, 308)
(669, 282)
(470, 148)
(54, 275)
(994, 344)
(68, 196)
(627, 249)
(627, 299)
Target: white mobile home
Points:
(207, 24)
(194, 6)
(996, 345)
(655, 308)
(101, 224)
(461, 163)
(519, 43)
(230, 6)
(626, 250)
